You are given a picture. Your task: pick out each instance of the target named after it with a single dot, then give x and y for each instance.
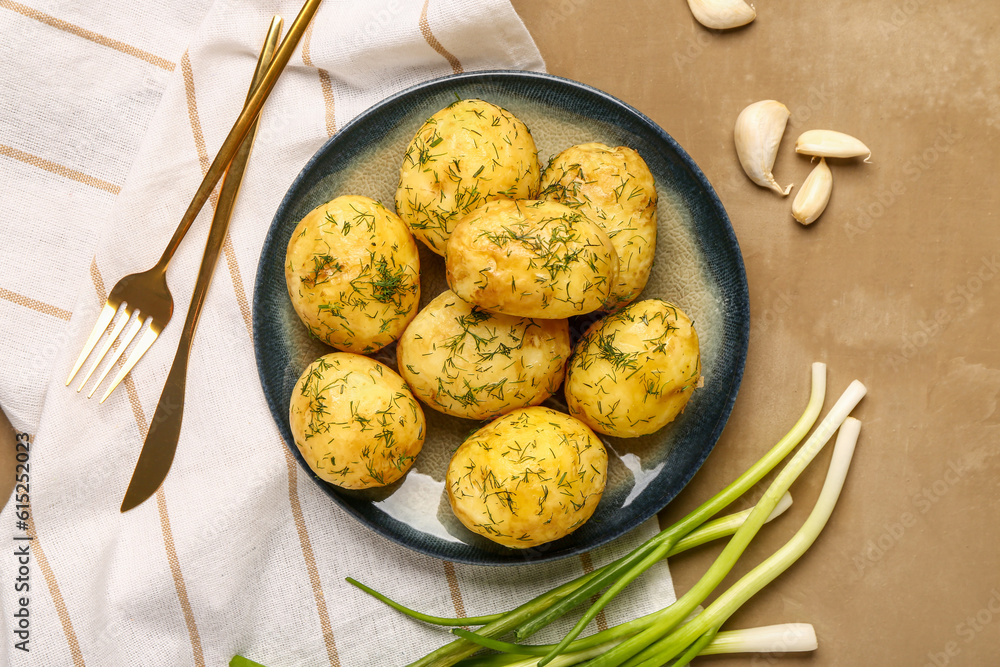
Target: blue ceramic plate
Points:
(698, 267)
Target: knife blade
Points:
(160, 444)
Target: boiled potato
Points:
(355, 422)
(633, 372)
(353, 274)
(527, 478)
(614, 188)
(466, 154)
(467, 362)
(531, 258)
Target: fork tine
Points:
(140, 349)
(129, 335)
(107, 314)
(106, 345)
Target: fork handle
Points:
(241, 128)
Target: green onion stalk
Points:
(671, 616)
(711, 531)
(782, 638)
(549, 606)
(717, 613)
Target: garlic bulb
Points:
(722, 14)
(814, 195)
(828, 143)
(758, 132)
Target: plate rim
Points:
(279, 413)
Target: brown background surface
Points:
(895, 285)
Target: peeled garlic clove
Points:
(758, 132)
(828, 143)
(814, 195)
(722, 14)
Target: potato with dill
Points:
(531, 258)
(355, 421)
(614, 188)
(467, 362)
(464, 155)
(527, 478)
(352, 271)
(634, 371)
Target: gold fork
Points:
(146, 294)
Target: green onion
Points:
(726, 604)
(713, 530)
(675, 613)
(783, 638)
(426, 618)
(451, 653)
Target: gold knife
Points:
(165, 428)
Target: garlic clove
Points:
(758, 132)
(722, 14)
(814, 195)
(828, 143)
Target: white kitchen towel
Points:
(110, 113)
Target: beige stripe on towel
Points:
(57, 599)
(54, 168)
(34, 304)
(324, 81)
(425, 30)
(94, 37)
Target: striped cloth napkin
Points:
(109, 115)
